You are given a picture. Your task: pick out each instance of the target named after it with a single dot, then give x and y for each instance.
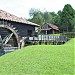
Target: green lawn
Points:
(40, 60)
(55, 34)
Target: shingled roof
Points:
(53, 26)
(48, 26)
(7, 16)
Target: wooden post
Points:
(53, 31)
(46, 32)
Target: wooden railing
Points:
(48, 38)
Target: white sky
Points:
(21, 8)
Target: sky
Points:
(21, 8)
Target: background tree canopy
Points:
(64, 19)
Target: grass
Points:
(40, 60)
(55, 34)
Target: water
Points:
(7, 50)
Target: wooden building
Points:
(49, 28)
(15, 27)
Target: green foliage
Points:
(36, 16)
(67, 16)
(64, 19)
(73, 29)
(41, 17)
(38, 19)
(69, 34)
(73, 24)
(57, 21)
(49, 17)
(40, 60)
(55, 34)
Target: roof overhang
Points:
(7, 16)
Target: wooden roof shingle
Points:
(48, 26)
(7, 16)
(54, 26)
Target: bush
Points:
(69, 34)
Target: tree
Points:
(64, 19)
(41, 17)
(36, 16)
(67, 16)
(73, 23)
(37, 19)
(47, 17)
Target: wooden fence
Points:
(48, 38)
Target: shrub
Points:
(69, 34)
